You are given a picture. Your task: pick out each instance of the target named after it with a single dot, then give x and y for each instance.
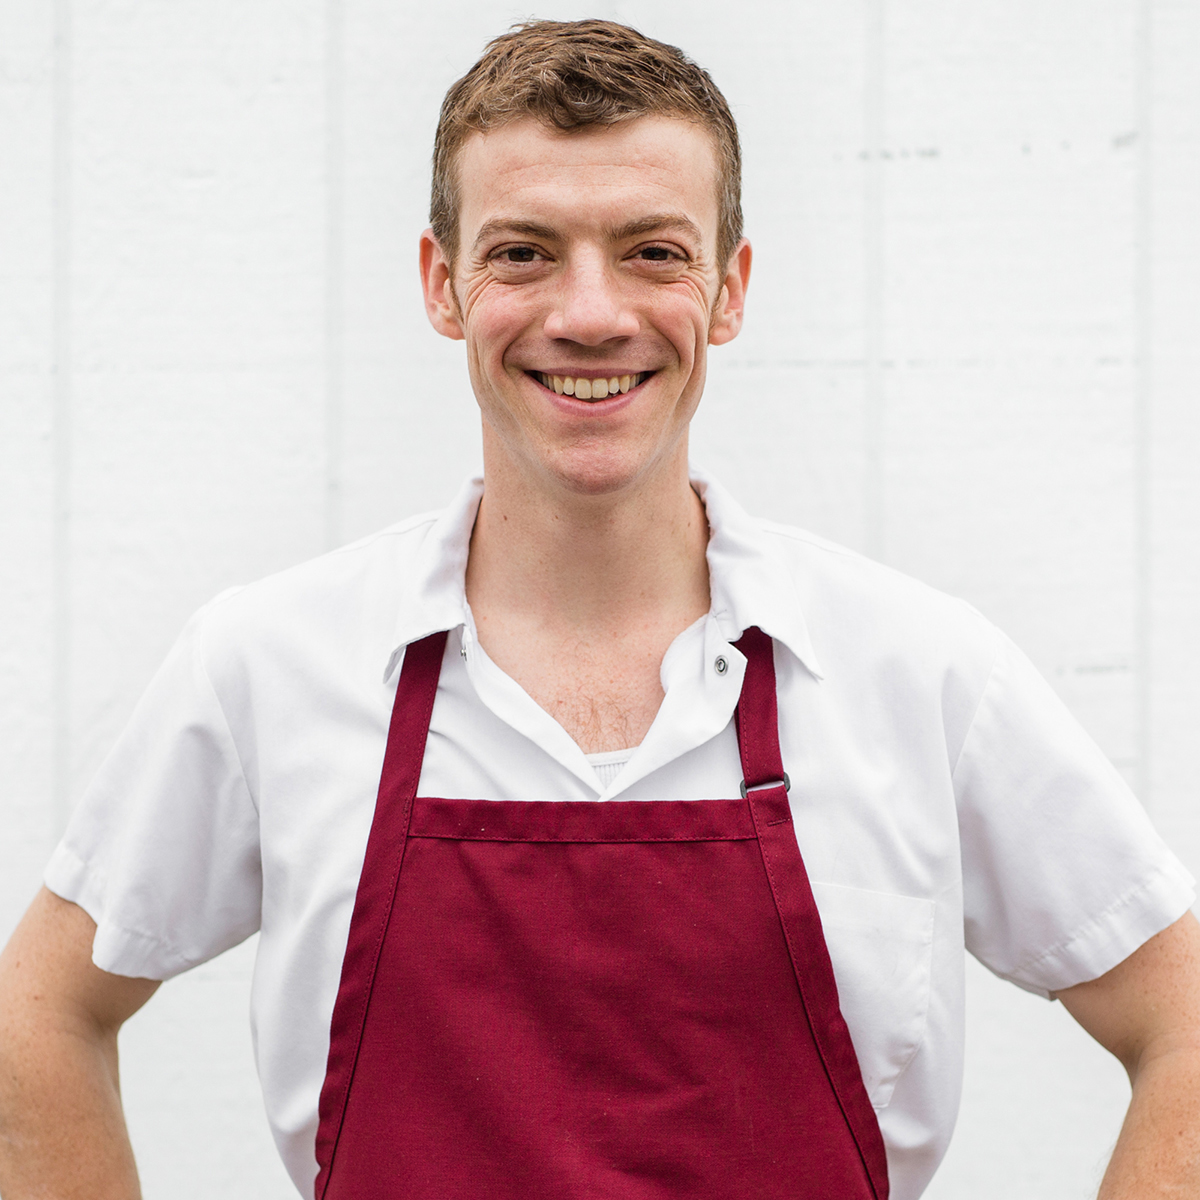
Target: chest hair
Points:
(606, 699)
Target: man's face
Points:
(587, 265)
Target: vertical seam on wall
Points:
(1143, 399)
(61, 422)
(334, 266)
(874, 316)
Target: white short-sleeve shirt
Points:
(943, 797)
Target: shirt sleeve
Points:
(1063, 874)
(163, 849)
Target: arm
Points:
(1146, 1011)
(62, 1131)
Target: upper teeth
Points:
(591, 389)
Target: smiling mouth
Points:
(589, 389)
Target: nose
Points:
(590, 307)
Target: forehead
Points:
(611, 173)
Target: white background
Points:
(972, 350)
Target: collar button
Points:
(721, 665)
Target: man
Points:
(747, 981)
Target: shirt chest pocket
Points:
(881, 947)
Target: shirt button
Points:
(721, 666)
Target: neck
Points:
(589, 566)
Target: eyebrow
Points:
(654, 223)
(489, 229)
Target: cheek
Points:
(492, 315)
(686, 320)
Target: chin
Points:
(602, 471)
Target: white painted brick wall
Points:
(973, 346)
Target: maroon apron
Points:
(556, 1000)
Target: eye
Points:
(517, 254)
(660, 255)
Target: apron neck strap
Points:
(415, 693)
(757, 715)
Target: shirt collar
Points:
(748, 583)
(436, 595)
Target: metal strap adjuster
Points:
(772, 783)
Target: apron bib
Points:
(556, 1000)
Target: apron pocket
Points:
(881, 947)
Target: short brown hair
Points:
(570, 74)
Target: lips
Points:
(590, 388)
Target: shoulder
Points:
(345, 601)
(897, 658)
(869, 614)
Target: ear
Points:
(437, 284)
(726, 321)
